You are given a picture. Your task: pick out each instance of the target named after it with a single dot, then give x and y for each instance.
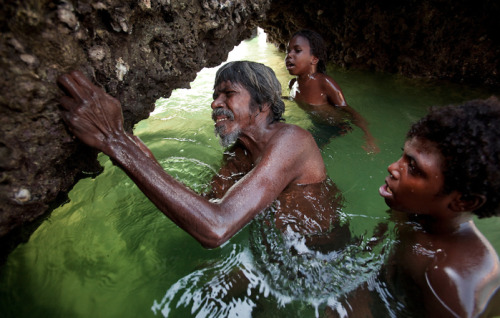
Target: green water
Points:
(109, 252)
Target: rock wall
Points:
(140, 50)
(137, 50)
(442, 39)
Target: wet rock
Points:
(456, 41)
(137, 50)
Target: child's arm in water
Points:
(335, 97)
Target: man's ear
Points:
(467, 202)
(265, 107)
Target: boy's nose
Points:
(393, 170)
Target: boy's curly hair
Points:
(318, 47)
(468, 137)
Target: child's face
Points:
(416, 180)
(299, 60)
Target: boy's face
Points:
(415, 181)
(299, 60)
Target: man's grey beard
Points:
(226, 140)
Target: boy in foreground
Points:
(449, 172)
(316, 92)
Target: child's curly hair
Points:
(468, 137)
(318, 47)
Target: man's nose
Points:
(217, 103)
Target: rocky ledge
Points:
(136, 50)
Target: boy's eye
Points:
(412, 167)
(412, 164)
(294, 50)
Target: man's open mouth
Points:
(220, 115)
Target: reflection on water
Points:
(304, 256)
(110, 253)
(277, 266)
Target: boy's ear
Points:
(467, 202)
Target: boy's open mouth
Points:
(385, 191)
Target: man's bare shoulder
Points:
(293, 133)
(294, 150)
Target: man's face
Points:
(231, 111)
(415, 181)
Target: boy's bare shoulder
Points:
(325, 79)
(466, 251)
(472, 266)
(328, 84)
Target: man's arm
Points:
(95, 118)
(336, 97)
(235, 164)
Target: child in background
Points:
(449, 172)
(316, 92)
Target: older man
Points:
(269, 160)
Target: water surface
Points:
(109, 252)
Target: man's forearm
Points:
(188, 210)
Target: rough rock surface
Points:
(137, 50)
(140, 50)
(441, 39)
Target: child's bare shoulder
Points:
(327, 82)
(446, 281)
(323, 78)
(469, 263)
